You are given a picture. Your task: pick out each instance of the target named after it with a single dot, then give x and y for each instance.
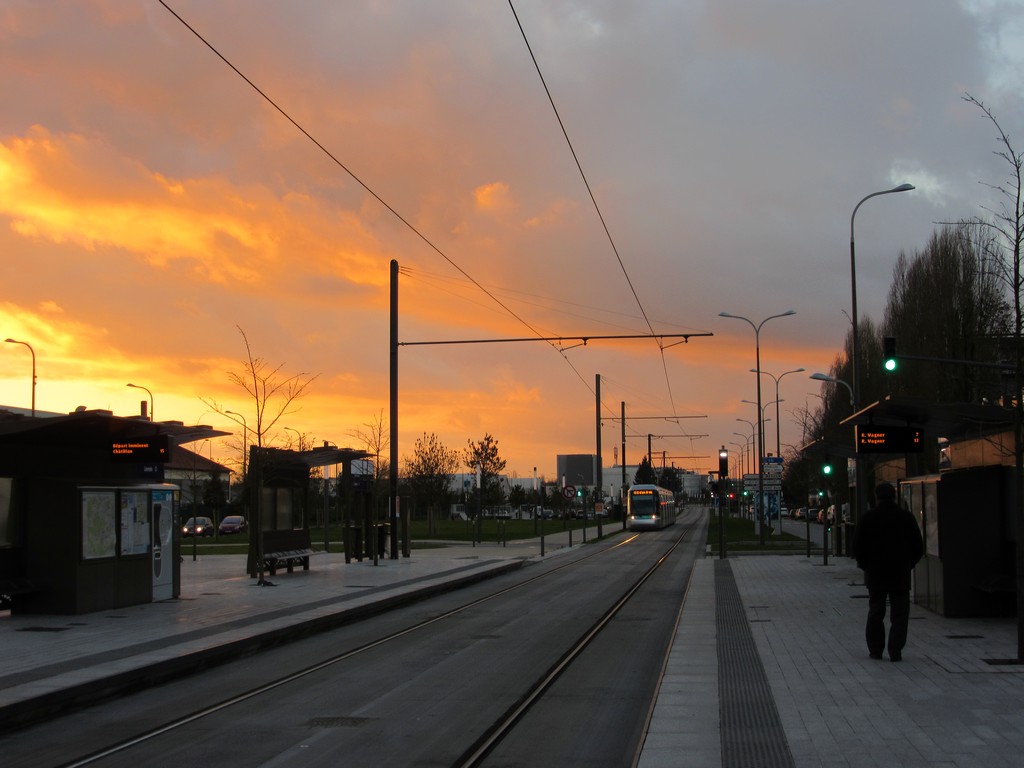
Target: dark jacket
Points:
(887, 546)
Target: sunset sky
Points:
(152, 203)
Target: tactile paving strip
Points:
(752, 733)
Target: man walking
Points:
(887, 546)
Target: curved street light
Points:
(151, 405)
(15, 341)
(760, 440)
(855, 389)
(834, 380)
(778, 420)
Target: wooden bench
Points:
(288, 549)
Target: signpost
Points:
(771, 472)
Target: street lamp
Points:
(743, 451)
(753, 431)
(778, 422)
(834, 380)
(15, 341)
(297, 434)
(760, 440)
(763, 409)
(855, 390)
(151, 408)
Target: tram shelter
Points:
(87, 522)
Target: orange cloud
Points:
(494, 197)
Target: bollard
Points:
(824, 544)
(807, 521)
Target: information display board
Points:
(874, 439)
(141, 450)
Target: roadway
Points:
(422, 685)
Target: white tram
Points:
(650, 507)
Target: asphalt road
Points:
(426, 695)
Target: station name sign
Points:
(875, 439)
(141, 450)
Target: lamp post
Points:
(838, 540)
(298, 436)
(15, 341)
(151, 405)
(778, 421)
(744, 447)
(760, 439)
(834, 380)
(765, 408)
(753, 431)
(855, 390)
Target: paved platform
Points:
(768, 665)
(945, 704)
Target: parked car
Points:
(198, 526)
(232, 524)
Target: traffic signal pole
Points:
(723, 476)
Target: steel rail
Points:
(295, 676)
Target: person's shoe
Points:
(896, 656)
(875, 655)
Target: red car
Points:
(232, 524)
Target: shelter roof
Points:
(953, 421)
(317, 457)
(950, 420)
(95, 426)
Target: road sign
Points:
(569, 491)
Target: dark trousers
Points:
(899, 616)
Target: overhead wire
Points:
(423, 237)
(370, 191)
(408, 224)
(593, 199)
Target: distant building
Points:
(191, 471)
(577, 468)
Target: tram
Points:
(650, 507)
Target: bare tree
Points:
(376, 439)
(271, 392)
(428, 472)
(1008, 225)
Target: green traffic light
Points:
(889, 353)
(827, 469)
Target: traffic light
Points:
(826, 469)
(723, 462)
(889, 353)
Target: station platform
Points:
(768, 665)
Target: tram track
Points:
(483, 747)
(490, 736)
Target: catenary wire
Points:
(372, 193)
(593, 199)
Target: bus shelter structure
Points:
(87, 522)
